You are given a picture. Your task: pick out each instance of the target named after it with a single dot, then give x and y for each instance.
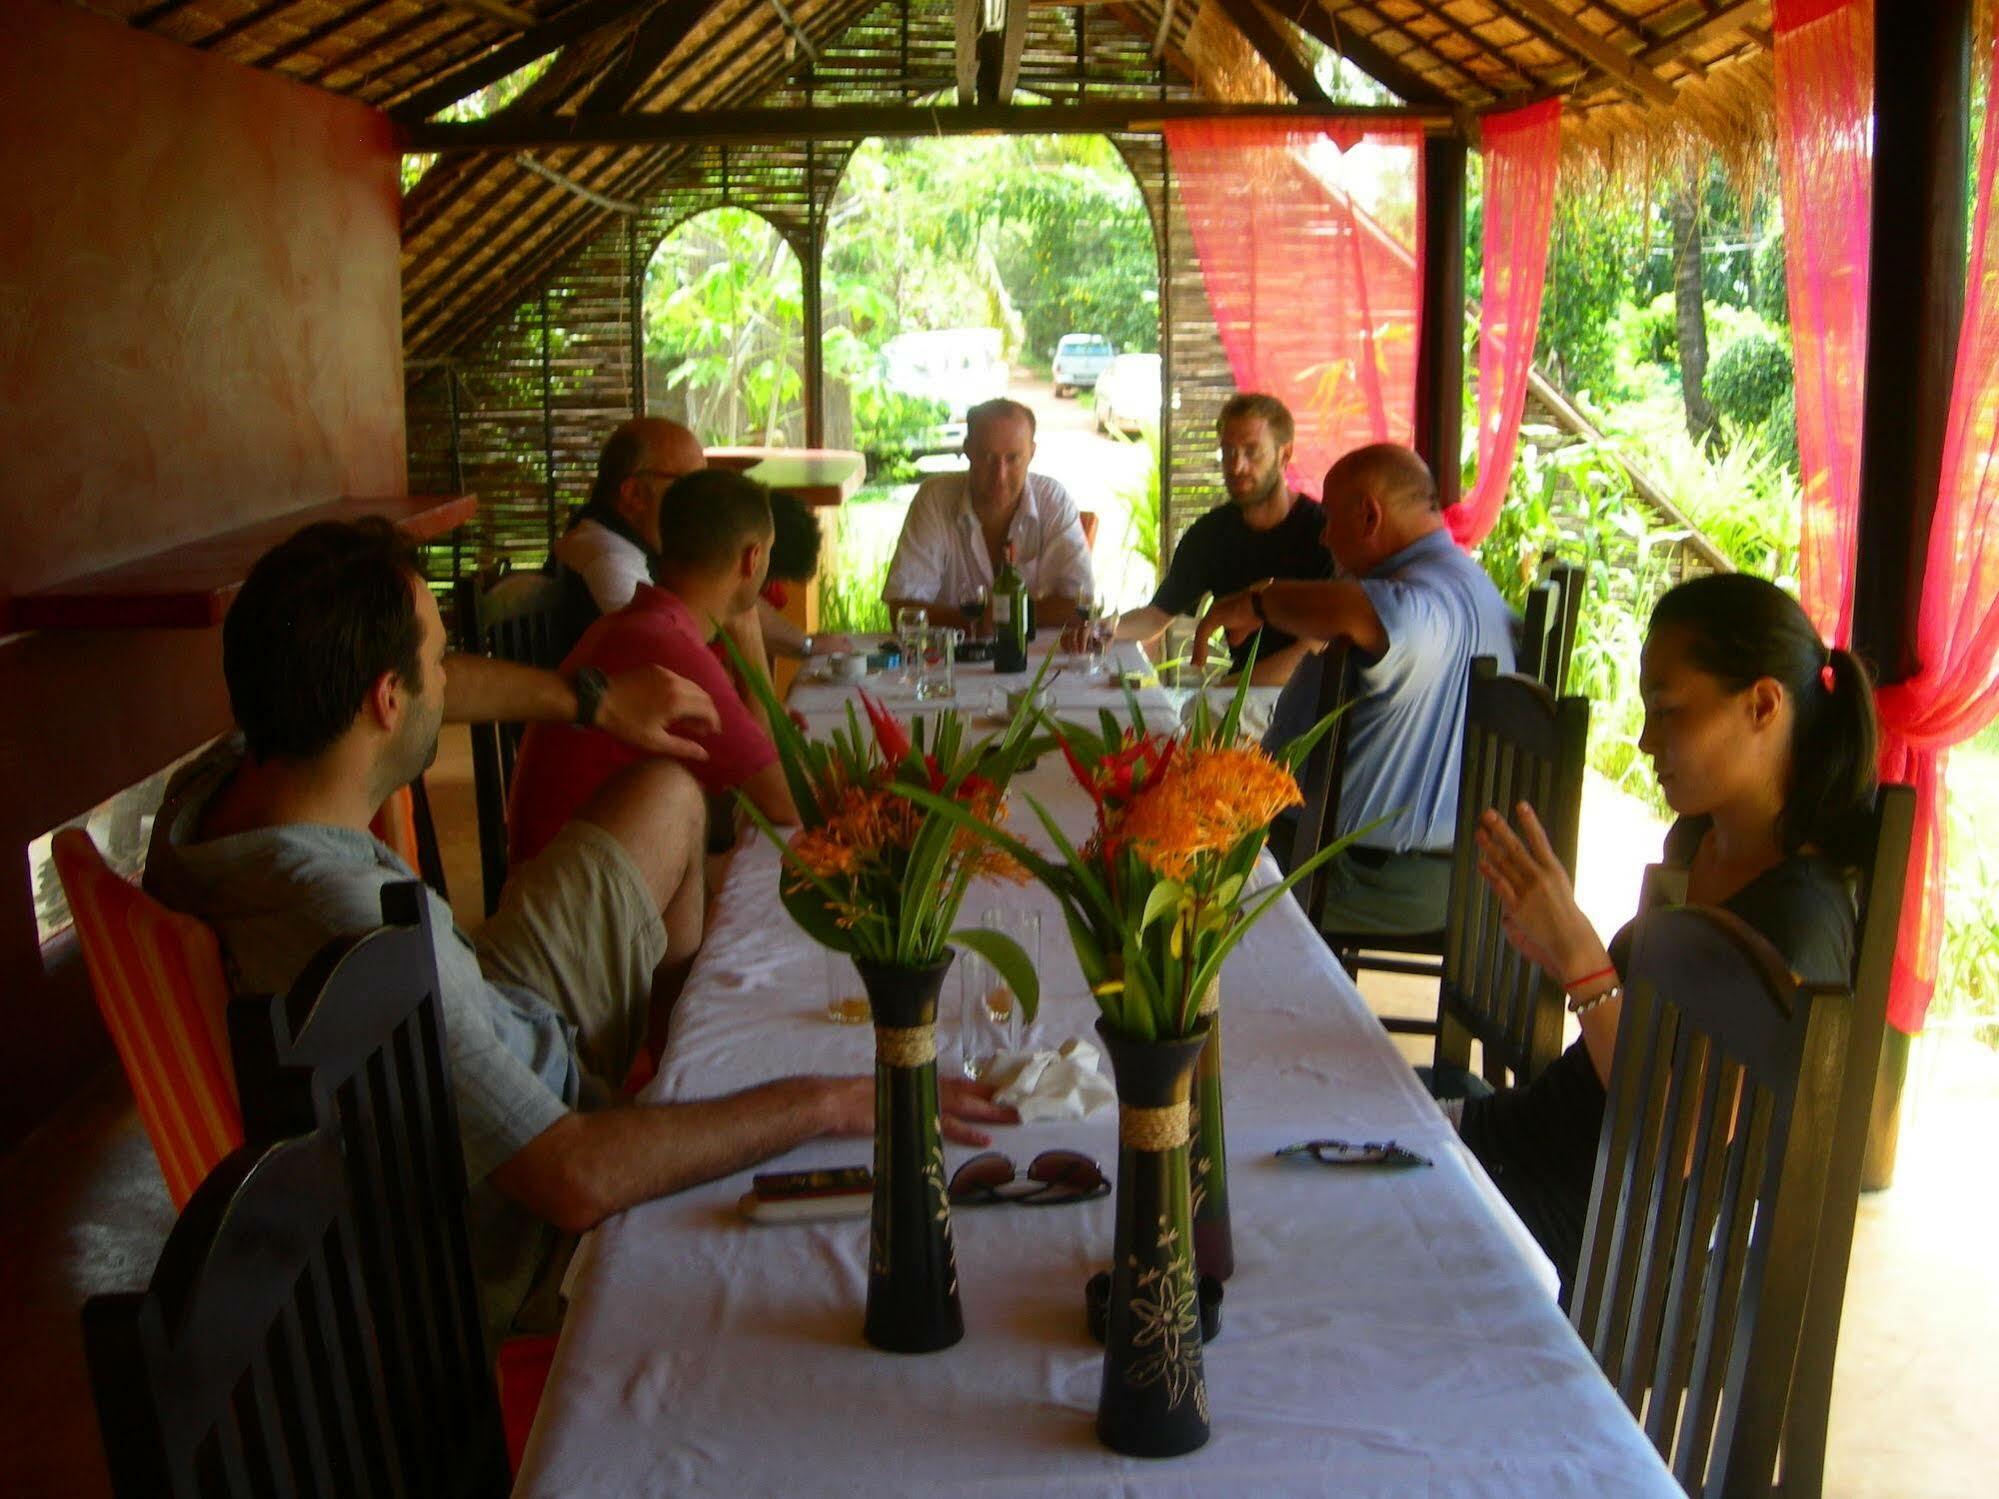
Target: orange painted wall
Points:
(200, 304)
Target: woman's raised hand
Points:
(1536, 898)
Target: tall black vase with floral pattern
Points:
(912, 1266)
(1208, 1158)
(1154, 1398)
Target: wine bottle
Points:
(1009, 617)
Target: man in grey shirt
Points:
(338, 678)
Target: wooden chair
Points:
(1319, 775)
(164, 995)
(1697, 1266)
(1548, 626)
(510, 617)
(1522, 743)
(357, 1048)
(249, 1366)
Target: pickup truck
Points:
(1079, 359)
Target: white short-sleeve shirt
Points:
(941, 556)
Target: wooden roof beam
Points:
(1383, 66)
(666, 27)
(1730, 18)
(1572, 36)
(858, 121)
(497, 10)
(580, 19)
(1265, 35)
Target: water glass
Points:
(911, 621)
(988, 1012)
(936, 659)
(846, 1000)
(1099, 631)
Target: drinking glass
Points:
(911, 620)
(973, 607)
(938, 653)
(846, 1000)
(1099, 631)
(988, 1013)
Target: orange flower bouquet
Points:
(1155, 896)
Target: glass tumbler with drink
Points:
(989, 1014)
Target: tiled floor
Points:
(1914, 1415)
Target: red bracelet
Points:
(1589, 978)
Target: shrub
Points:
(1751, 378)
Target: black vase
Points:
(912, 1267)
(1154, 1398)
(1208, 1156)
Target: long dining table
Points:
(1390, 1332)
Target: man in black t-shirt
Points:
(1264, 532)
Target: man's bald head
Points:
(1390, 473)
(639, 462)
(1378, 499)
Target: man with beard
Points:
(338, 678)
(1264, 532)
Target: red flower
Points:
(889, 733)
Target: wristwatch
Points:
(806, 648)
(589, 684)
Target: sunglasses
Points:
(1053, 1177)
(1367, 1153)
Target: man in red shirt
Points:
(714, 552)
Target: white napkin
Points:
(1051, 1085)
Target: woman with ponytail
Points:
(1764, 745)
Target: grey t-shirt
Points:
(278, 895)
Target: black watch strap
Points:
(590, 685)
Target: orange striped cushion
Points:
(161, 985)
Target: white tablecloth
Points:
(1390, 1333)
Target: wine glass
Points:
(973, 607)
(912, 621)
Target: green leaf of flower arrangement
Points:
(1010, 962)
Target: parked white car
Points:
(959, 366)
(1080, 358)
(1128, 393)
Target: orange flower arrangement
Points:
(1155, 897)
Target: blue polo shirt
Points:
(1405, 730)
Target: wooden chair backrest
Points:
(1521, 743)
(164, 995)
(358, 1048)
(1712, 1166)
(1548, 628)
(249, 1366)
(514, 617)
(1319, 776)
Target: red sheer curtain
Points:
(1522, 149)
(1825, 152)
(1955, 691)
(1307, 234)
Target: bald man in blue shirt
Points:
(1415, 610)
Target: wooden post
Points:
(1915, 301)
(1440, 357)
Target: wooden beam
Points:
(666, 27)
(1364, 53)
(1729, 18)
(859, 121)
(1275, 48)
(1012, 47)
(971, 21)
(1568, 33)
(497, 10)
(1440, 349)
(583, 17)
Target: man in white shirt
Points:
(959, 525)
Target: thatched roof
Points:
(1643, 77)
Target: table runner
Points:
(1385, 1333)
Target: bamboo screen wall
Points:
(516, 415)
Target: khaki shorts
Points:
(577, 926)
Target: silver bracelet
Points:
(1581, 1007)
(806, 647)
